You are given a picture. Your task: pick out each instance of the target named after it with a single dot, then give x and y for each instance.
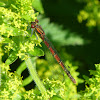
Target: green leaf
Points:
(27, 80)
(60, 36)
(2, 4)
(26, 17)
(56, 98)
(21, 68)
(36, 52)
(93, 72)
(12, 58)
(37, 4)
(85, 77)
(16, 31)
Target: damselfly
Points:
(39, 30)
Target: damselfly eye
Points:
(32, 24)
(36, 21)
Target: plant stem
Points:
(33, 73)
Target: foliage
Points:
(90, 13)
(92, 91)
(15, 41)
(54, 70)
(37, 5)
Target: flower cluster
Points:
(90, 13)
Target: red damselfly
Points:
(39, 30)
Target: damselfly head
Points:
(36, 21)
(33, 24)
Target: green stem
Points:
(34, 75)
